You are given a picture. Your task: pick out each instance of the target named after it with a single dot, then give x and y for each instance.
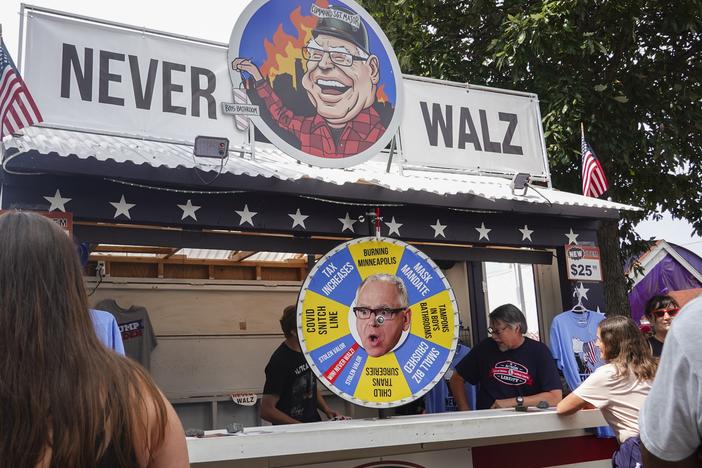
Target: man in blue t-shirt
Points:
(509, 368)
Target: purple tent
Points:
(667, 268)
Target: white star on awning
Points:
(483, 231)
(439, 229)
(57, 202)
(122, 208)
(298, 219)
(347, 222)
(572, 237)
(526, 233)
(189, 210)
(394, 226)
(246, 215)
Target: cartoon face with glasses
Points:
(381, 313)
(341, 80)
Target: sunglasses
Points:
(660, 313)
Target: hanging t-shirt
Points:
(107, 330)
(525, 371)
(573, 337)
(440, 399)
(289, 376)
(137, 333)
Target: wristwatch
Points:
(520, 400)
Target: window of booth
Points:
(513, 283)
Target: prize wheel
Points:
(369, 342)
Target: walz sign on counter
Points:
(583, 263)
(378, 322)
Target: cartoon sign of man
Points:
(340, 81)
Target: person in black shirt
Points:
(291, 394)
(660, 311)
(510, 368)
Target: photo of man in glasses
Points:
(341, 79)
(382, 313)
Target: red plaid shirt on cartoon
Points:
(314, 133)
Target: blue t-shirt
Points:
(440, 399)
(573, 337)
(107, 330)
(525, 371)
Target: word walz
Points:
(440, 119)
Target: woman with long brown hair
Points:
(619, 387)
(65, 399)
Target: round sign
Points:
(378, 322)
(318, 78)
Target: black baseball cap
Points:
(341, 27)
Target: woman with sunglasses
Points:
(619, 387)
(660, 311)
(65, 399)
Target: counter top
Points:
(471, 428)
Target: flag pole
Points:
(582, 129)
(2, 144)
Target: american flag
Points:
(17, 107)
(594, 180)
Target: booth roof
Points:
(67, 152)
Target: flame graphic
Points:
(285, 50)
(380, 95)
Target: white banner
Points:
(89, 76)
(472, 129)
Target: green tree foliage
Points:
(630, 70)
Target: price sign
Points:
(583, 262)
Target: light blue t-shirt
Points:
(107, 330)
(573, 337)
(439, 399)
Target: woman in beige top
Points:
(619, 387)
